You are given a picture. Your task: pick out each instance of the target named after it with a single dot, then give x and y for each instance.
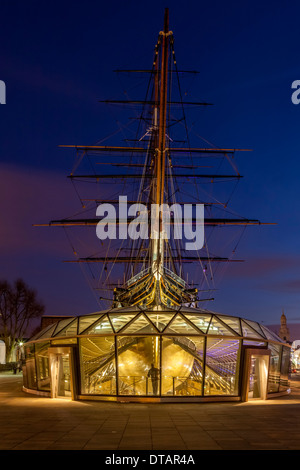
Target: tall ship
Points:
(152, 219)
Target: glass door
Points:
(63, 379)
(61, 373)
(258, 377)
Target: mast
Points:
(160, 153)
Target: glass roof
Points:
(141, 324)
(201, 321)
(86, 321)
(180, 325)
(160, 320)
(184, 321)
(217, 327)
(270, 334)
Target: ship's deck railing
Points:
(137, 277)
(174, 276)
(170, 273)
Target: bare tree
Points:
(18, 306)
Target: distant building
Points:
(284, 332)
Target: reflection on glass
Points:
(42, 365)
(69, 330)
(98, 371)
(47, 332)
(182, 365)
(222, 366)
(119, 321)
(180, 325)
(253, 391)
(31, 381)
(201, 321)
(254, 344)
(258, 377)
(64, 341)
(255, 327)
(233, 323)
(284, 371)
(270, 334)
(63, 374)
(274, 369)
(61, 325)
(86, 321)
(138, 365)
(218, 328)
(140, 325)
(160, 320)
(102, 326)
(249, 332)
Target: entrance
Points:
(255, 381)
(61, 372)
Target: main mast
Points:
(160, 154)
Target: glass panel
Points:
(140, 325)
(37, 335)
(270, 335)
(233, 323)
(217, 328)
(258, 376)
(284, 369)
(98, 365)
(30, 378)
(180, 325)
(182, 365)
(86, 321)
(160, 320)
(63, 374)
(138, 365)
(62, 324)
(42, 333)
(222, 366)
(274, 369)
(101, 327)
(247, 342)
(249, 332)
(49, 332)
(42, 365)
(201, 321)
(255, 327)
(119, 321)
(70, 330)
(253, 391)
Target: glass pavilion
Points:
(158, 354)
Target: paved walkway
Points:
(29, 422)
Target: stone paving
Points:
(28, 422)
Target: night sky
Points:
(57, 60)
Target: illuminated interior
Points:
(163, 353)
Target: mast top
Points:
(166, 21)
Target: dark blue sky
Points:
(57, 58)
